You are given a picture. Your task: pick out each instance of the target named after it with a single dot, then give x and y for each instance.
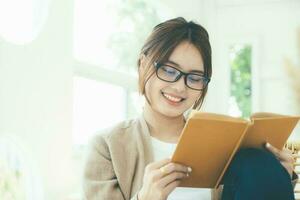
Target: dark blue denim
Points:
(256, 174)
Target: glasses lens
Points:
(196, 81)
(167, 73)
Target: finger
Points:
(171, 178)
(285, 150)
(158, 164)
(273, 149)
(288, 167)
(295, 156)
(282, 155)
(172, 167)
(287, 155)
(167, 169)
(169, 188)
(156, 175)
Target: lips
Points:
(173, 98)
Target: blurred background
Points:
(68, 69)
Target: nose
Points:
(179, 85)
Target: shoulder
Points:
(118, 134)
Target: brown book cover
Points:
(209, 141)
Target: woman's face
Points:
(173, 99)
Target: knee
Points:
(249, 159)
(254, 166)
(254, 155)
(249, 162)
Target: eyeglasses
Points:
(170, 74)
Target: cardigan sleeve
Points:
(99, 179)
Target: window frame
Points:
(256, 77)
(127, 81)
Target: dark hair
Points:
(163, 40)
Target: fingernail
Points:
(187, 175)
(268, 144)
(189, 169)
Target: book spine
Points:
(233, 153)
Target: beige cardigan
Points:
(116, 161)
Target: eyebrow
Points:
(177, 65)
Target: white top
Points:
(164, 150)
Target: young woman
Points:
(131, 160)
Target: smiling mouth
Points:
(172, 98)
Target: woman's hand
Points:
(161, 178)
(285, 157)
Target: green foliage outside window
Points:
(11, 187)
(135, 19)
(240, 64)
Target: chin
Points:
(171, 112)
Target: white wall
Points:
(36, 99)
(270, 25)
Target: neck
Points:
(162, 127)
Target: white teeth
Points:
(175, 99)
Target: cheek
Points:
(153, 88)
(193, 96)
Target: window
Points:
(108, 36)
(110, 33)
(240, 87)
(12, 177)
(135, 104)
(18, 177)
(97, 105)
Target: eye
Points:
(169, 70)
(194, 78)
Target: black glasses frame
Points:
(181, 73)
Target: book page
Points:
(274, 130)
(209, 141)
(214, 116)
(208, 146)
(266, 115)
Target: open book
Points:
(209, 141)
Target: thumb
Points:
(272, 149)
